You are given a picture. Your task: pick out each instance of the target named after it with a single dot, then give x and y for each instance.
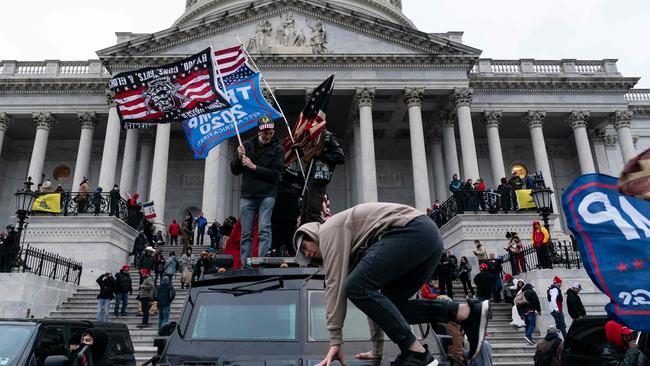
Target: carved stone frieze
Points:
(462, 96)
(492, 118)
(88, 119)
(413, 96)
(448, 118)
(288, 37)
(534, 119)
(43, 120)
(578, 119)
(364, 97)
(620, 119)
(5, 121)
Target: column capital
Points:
(434, 135)
(462, 96)
(5, 121)
(577, 119)
(448, 118)
(413, 96)
(492, 118)
(88, 119)
(534, 118)
(110, 98)
(44, 120)
(364, 97)
(620, 119)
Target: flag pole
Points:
(248, 56)
(225, 92)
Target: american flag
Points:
(242, 73)
(230, 59)
(172, 92)
(310, 124)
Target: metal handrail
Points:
(42, 263)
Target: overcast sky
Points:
(503, 29)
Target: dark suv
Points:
(267, 317)
(30, 342)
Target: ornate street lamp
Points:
(542, 197)
(24, 201)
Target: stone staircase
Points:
(83, 306)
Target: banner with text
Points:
(613, 235)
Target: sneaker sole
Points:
(485, 310)
(434, 363)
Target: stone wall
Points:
(27, 291)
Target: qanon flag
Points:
(613, 235)
(168, 93)
(248, 106)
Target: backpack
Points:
(546, 358)
(520, 299)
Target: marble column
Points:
(144, 167)
(439, 180)
(622, 120)
(111, 148)
(535, 121)
(599, 140)
(5, 122)
(158, 192)
(88, 122)
(413, 100)
(364, 98)
(128, 162)
(492, 120)
(462, 97)
(358, 172)
(578, 120)
(449, 140)
(43, 121)
(213, 169)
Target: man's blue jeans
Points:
(560, 324)
(121, 297)
(163, 316)
(497, 286)
(530, 320)
(391, 271)
(106, 303)
(248, 207)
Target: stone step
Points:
(513, 348)
(513, 363)
(513, 358)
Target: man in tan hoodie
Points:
(378, 255)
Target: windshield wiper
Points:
(243, 290)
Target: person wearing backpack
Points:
(548, 351)
(528, 307)
(171, 266)
(165, 294)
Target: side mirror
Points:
(57, 360)
(160, 343)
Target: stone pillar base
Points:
(101, 243)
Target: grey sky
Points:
(504, 29)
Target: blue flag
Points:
(613, 235)
(248, 106)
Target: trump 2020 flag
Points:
(168, 93)
(248, 106)
(613, 235)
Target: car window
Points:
(269, 315)
(119, 342)
(355, 327)
(13, 339)
(50, 343)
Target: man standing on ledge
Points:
(260, 160)
(378, 255)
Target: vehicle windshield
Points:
(355, 327)
(14, 338)
(269, 315)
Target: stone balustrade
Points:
(52, 69)
(489, 67)
(638, 95)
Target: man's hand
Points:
(241, 151)
(370, 356)
(632, 344)
(248, 163)
(333, 354)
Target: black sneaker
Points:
(475, 326)
(409, 358)
(529, 341)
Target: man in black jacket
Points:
(260, 161)
(106, 284)
(528, 306)
(483, 282)
(123, 288)
(445, 274)
(322, 169)
(573, 303)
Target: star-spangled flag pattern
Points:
(229, 60)
(168, 93)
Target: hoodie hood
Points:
(165, 283)
(536, 223)
(310, 229)
(615, 332)
(527, 287)
(100, 341)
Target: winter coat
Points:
(445, 270)
(226, 227)
(481, 253)
(146, 262)
(325, 163)
(269, 159)
(574, 304)
(545, 345)
(165, 293)
(170, 265)
(123, 282)
(174, 229)
(483, 282)
(533, 304)
(617, 353)
(98, 349)
(187, 262)
(158, 263)
(148, 288)
(201, 222)
(139, 244)
(106, 286)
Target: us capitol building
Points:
(410, 108)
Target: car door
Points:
(51, 342)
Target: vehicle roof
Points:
(253, 274)
(54, 321)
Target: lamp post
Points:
(24, 201)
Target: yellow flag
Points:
(48, 203)
(524, 199)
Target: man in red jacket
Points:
(174, 230)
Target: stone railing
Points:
(489, 67)
(638, 95)
(53, 69)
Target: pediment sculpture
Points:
(288, 38)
